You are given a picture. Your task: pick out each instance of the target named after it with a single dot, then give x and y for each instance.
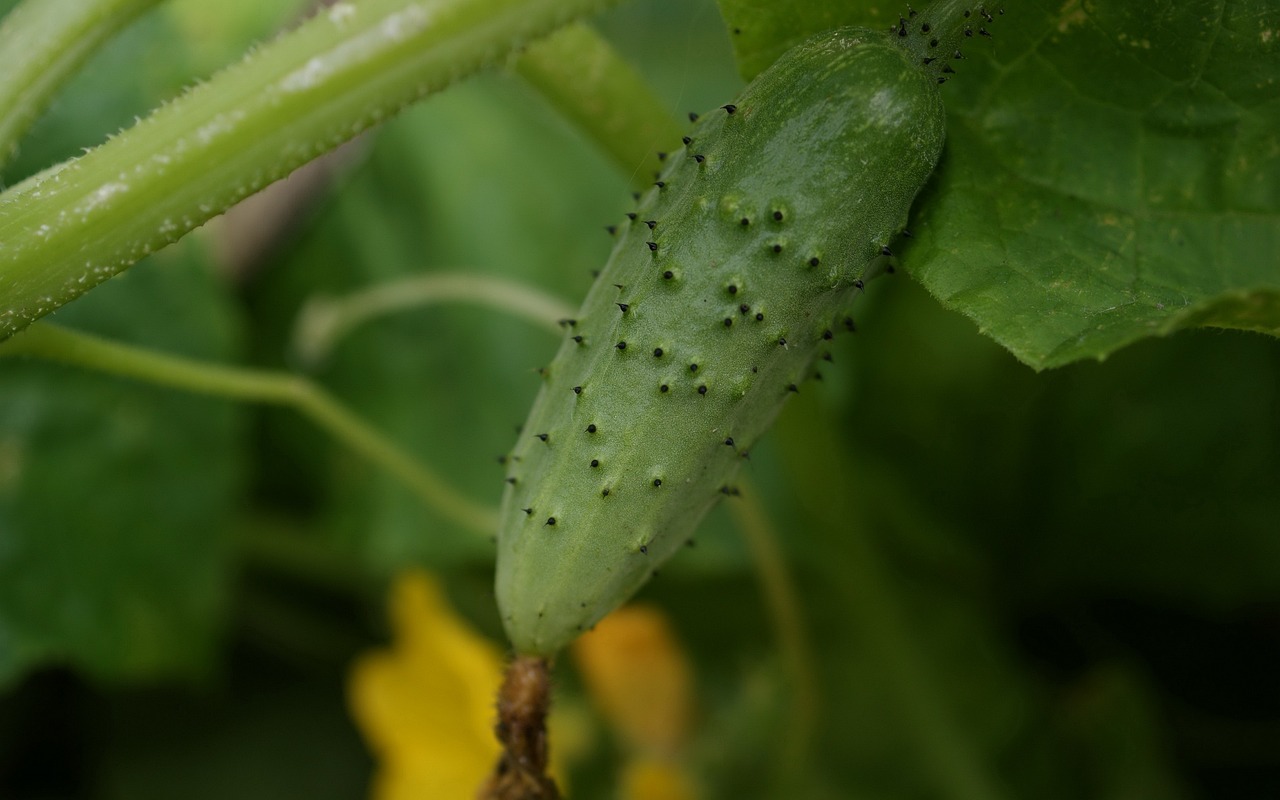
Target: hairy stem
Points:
(324, 321)
(258, 386)
(42, 44)
(593, 87)
(71, 227)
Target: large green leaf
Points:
(1112, 169)
(115, 497)
(1112, 172)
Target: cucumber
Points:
(724, 284)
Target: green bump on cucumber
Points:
(719, 294)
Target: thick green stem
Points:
(42, 44)
(938, 35)
(592, 86)
(71, 227)
(259, 386)
(324, 321)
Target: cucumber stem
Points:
(786, 613)
(938, 34)
(523, 703)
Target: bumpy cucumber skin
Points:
(628, 446)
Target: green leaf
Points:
(115, 496)
(1112, 173)
(1112, 170)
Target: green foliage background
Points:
(1062, 584)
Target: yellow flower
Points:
(426, 706)
(640, 680)
(654, 779)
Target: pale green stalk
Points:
(786, 614)
(324, 321)
(583, 78)
(42, 44)
(941, 747)
(71, 227)
(259, 386)
(874, 604)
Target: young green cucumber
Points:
(735, 267)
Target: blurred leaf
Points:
(270, 734)
(929, 695)
(1152, 474)
(216, 35)
(115, 496)
(1113, 718)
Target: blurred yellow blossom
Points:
(426, 705)
(654, 779)
(641, 681)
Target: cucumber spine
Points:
(725, 282)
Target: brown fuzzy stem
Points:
(523, 701)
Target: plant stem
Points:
(42, 44)
(324, 321)
(787, 617)
(580, 74)
(259, 386)
(524, 700)
(71, 227)
(937, 34)
(877, 612)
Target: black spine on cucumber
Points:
(938, 35)
(723, 288)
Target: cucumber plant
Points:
(727, 280)
(1018, 216)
